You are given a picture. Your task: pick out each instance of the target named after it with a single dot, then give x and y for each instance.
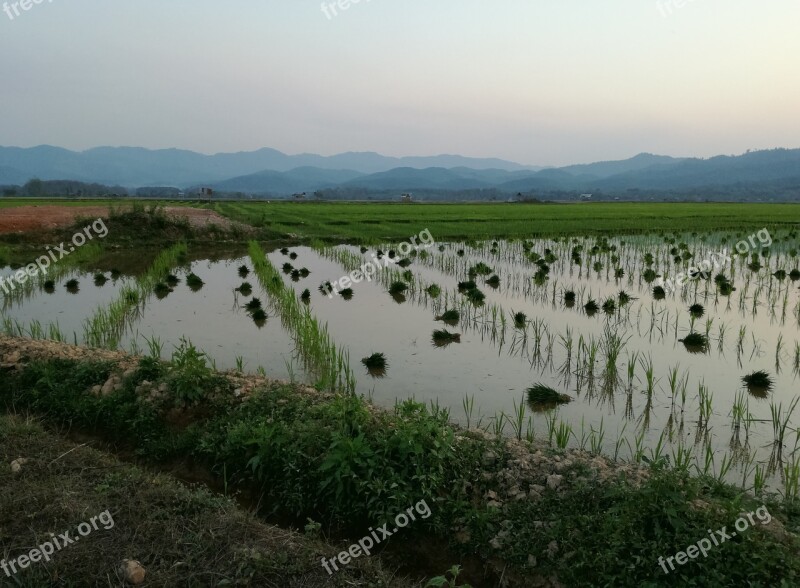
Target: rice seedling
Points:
(346, 294)
(443, 338)
(115, 274)
(659, 293)
(293, 255)
(475, 296)
(449, 317)
(194, 282)
(287, 268)
(245, 289)
(434, 291)
(562, 434)
(325, 288)
(284, 251)
(624, 298)
(591, 307)
(305, 296)
(243, 271)
(72, 286)
(253, 305)
(758, 383)
(520, 320)
(494, 281)
(697, 310)
(49, 286)
(100, 279)
(468, 403)
(466, 286)
(172, 280)
(161, 290)
(376, 365)
(405, 262)
(569, 298)
(610, 306)
(304, 272)
(398, 287)
(295, 275)
(695, 342)
(542, 397)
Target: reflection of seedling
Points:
(695, 342)
(758, 383)
(434, 291)
(398, 288)
(541, 394)
(243, 271)
(697, 310)
(347, 293)
(443, 337)
(520, 319)
(450, 317)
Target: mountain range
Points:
(271, 173)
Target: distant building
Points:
(301, 196)
(407, 198)
(586, 196)
(205, 193)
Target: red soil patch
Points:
(41, 218)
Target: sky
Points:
(538, 82)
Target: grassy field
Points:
(366, 222)
(371, 222)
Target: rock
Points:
(532, 561)
(163, 387)
(16, 465)
(97, 389)
(128, 373)
(132, 572)
(552, 549)
(489, 458)
(554, 481)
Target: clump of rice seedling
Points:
(285, 251)
(494, 281)
(695, 342)
(460, 253)
(115, 273)
(466, 286)
(780, 274)
(697, 310)
(481, 269)
(610, 306)
(405, 262)
(449, 317)
(287, 268)
(569, 297)
(659, 293)
(794, 275)
(392, 254)
(649, 275)
(245, 289)
(326, 288)
(173, 280)
(434, 290)
(194, 282)
(306, 296)
(259, 317)
(591, 307)
(72, 286)
(253, 305)
(726, 288)
(243, 271)
(398, 287)
(347, 293)
(295, 274)
(161, 290)
(754, 266)
(408, 276)
(520, 320)
(376, 364)
(364, 249)
(475, 296)
(305, 272)
(758, 383)
(443, 337)
(293, 255)
(619, 273)
(100, 279)
(541, 396)
(49, 286)
(624, 298)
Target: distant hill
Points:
(135, 167)
(773, 174)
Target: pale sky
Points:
(539, 82)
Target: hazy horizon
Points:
(538, 84)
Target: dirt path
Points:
(40, 218)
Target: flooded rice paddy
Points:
(650, 374)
